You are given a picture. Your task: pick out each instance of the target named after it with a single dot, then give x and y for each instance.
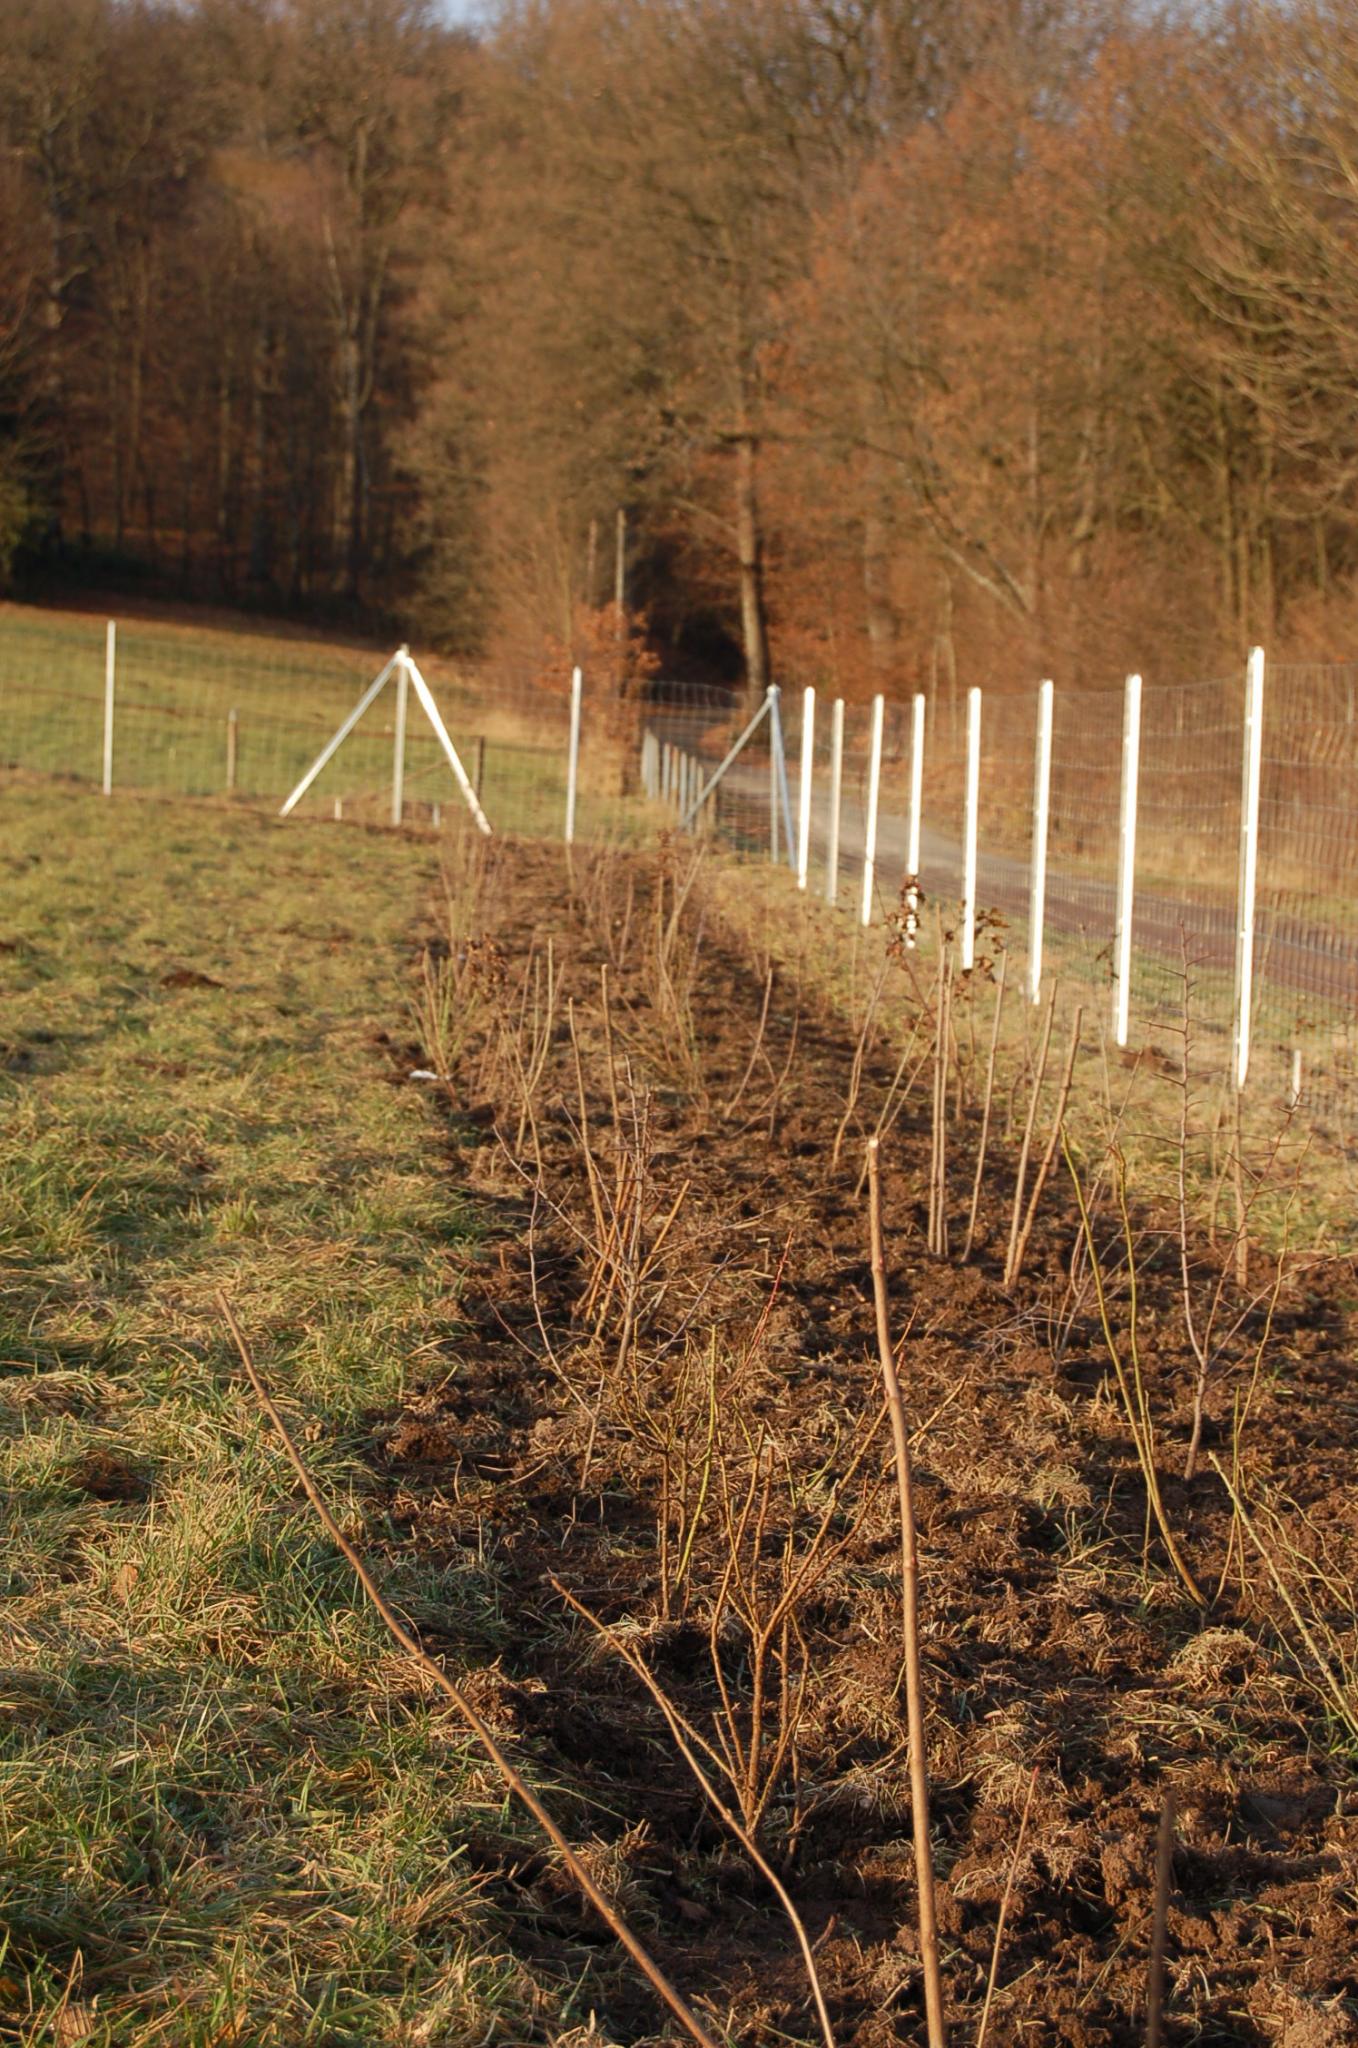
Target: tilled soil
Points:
(679, 1446)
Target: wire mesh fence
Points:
(1140, 907)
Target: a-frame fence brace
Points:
(404, 669)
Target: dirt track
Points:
(666, 1441)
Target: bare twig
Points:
(914, 1687)
(1015, 1223)
(938, 1153)
(1155, 1976)
(521, 1790)
(1004, 1913)
(1018, 1250)
(731, 1106)
(985, 1113)
(1131, 1383)
(859, 1055)
(688, 1741)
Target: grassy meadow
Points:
(229, 1812)
(200, 708)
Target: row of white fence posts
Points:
(675, 776)
(1129, 789)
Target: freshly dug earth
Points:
(684, 1444)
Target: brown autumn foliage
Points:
(922, 343)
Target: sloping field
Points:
(577, 1340)
(228, 1812)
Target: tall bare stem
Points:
(914, 1684)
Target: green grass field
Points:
(229, 1812)
(178, 685)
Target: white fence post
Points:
(874, 794)
(912, 844)
(110, 675)
(773, 785)
(970, 829)
(1037, 882)
(804, 787)
(398, 747)
(912, 851)
(836, 799)
(1252, 777)
(232, 746)
(573, 757)
(1122, 940)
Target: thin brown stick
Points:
(985, 1113)
(608, 1052)
(1155, 1978)
(894, 1102)
(591, 1171)
(856, 1069)
(730, 1108)
(1016, 1220)
(1004, 1914)
(618, 1927)
(914, 1687)
(1241, 1247)
(1019, 1251)
(938, 1154)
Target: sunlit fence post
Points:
(398, 744)
(110, 677)
(836, 800)
(1037, 877)
(970, 830)
(232, 747)
(1122, 939)
(773, 787)
(1252, 776)
(870, 823)
(804, 786)
(912, 851)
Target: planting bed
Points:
(663, 1400)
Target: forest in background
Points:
(923, 342)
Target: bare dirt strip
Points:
(662, 1397)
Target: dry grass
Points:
(228, 1814)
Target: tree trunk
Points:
(750, 557)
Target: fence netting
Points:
(242, 715)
